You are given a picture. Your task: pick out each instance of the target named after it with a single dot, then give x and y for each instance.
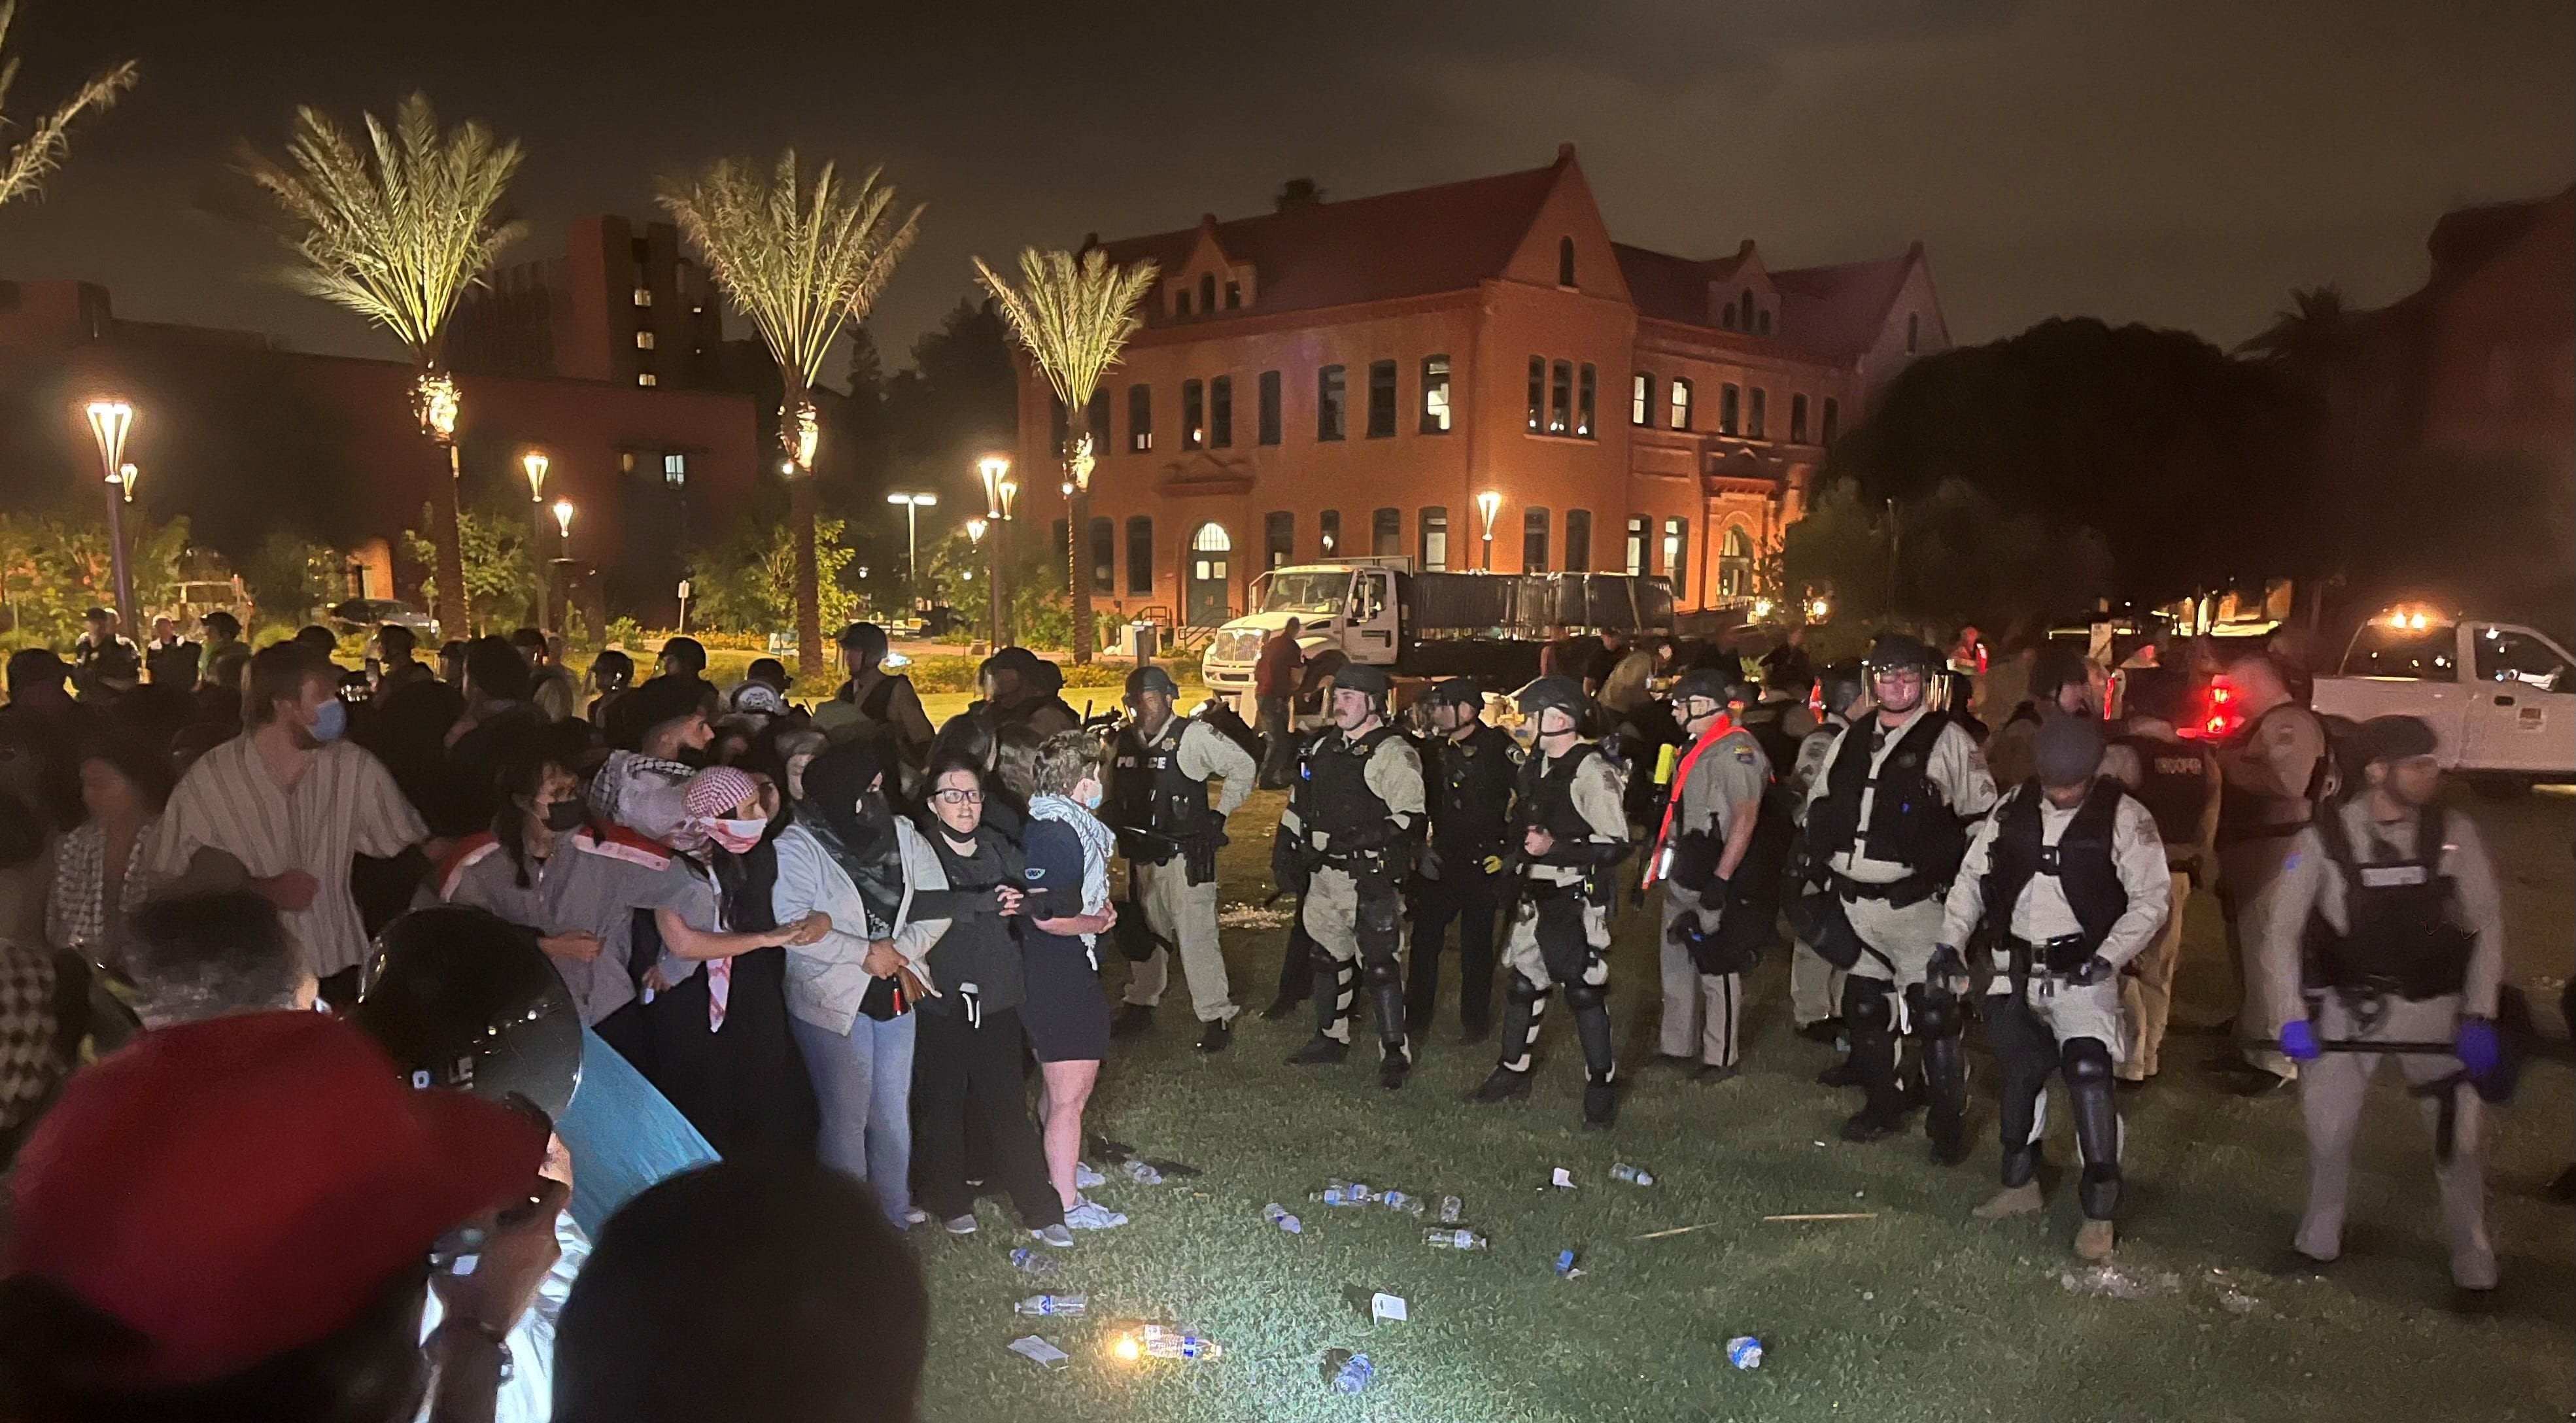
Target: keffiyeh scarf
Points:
(1098, 845)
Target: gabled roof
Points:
(1669, 288)
(1842, 308)
(2468, 238)
(1419, 242)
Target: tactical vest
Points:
(2399, 936)
(1153, 793)
(1333, 792)
(1547, 795)
(2173, 784)
(2249, 815)
(2080, 862)
(1471, 815)
(1767, 722)
(1909, 821)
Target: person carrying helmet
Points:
(2387, 929)
(2062, 886)
(1569, 829)
(1354, 816)
(1158, 804)
(1473, 768)
(1887, 824)
(1709, 939)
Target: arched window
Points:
(1735, 564)
(1681, 402)
(1211, 538)
(1534, 541)
(1565, 261)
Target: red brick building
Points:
(1349, 377)
(623, 304)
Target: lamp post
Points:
(995, 470)
(1486, 504)
(436, 402)
(534, 462)
(913, 504)
(126, 474)
(110, 421)
(563, 512)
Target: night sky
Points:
(2179, 162)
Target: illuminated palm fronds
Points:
(398, 230)
(801, 263)
(1073, 315)
(24, 165)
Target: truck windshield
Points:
(1318, 594)
(2424, 654)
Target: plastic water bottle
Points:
(1354, 1375)
(1334, 1194)
(1142, 1174)
(1564, 1264)
(1361, 1194)
(1744, 1351)
(1278, 1215)
(1035, 1262)
(1633, 1175)
(1399, 1201)
(1052, 1304)
(1450, 1209)
(1454, 1239)
(1164, 1341)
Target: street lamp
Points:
(912, 504)
(995, 470)
(534, 462)
(126, 474)
(111, 420)
(563, 560)
(975, 532)
(563, 523)
(1486, 504)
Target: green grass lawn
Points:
(1921, 1313)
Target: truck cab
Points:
(2501, 699)
(1345, 608)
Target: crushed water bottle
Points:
(1565, 1265)
(1278, 1215)
(1164, 1341)
(1335, 1193)
(1399, 1201)
(1633, 1175)
(1450, 1209)
(1361, 1194)
(1140, 1173)
(1354, 1374)
(1455, 1239)
(1744, 1351)
(1052, 1304)
(1035, 1262)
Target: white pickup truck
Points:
(2501, 699)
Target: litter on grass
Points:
(2112, 1282)
(1826, 1215)
(1039, 1352)
(1561, 1179)
(1386, 1308)
(1240, 915)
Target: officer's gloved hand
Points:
(2299, 1040)
(1493, 864)
(1947, 968)
(2480, 1051)
(2096, 969)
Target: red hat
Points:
(238, 1188)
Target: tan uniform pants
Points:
(1185, 914)
(2146, 989)
(1815, 986)
(1703, 1012)
(2332, 1092)
(2249, 879)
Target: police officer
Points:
(2177, 780)
(2385, 929)
(1568, 831)
(1158, 804)
(1815, 985)
(1887, 824)
(1473, 766)
(2062, 885)
(1355, 815)
(2274, 771)
(1709, 939)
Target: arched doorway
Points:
(1206, 576)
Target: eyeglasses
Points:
(958, 797)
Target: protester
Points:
(227, 656)
(767, 1292)
(659, 729)
(291, 802)
(100, 870)
(550, 687)
(233, 1219)
(971, 1045)
(1274, 693)
(1068, 850)
(762, 690)
(396, 666)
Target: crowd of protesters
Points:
(830, 949)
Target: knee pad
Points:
(1936, 1015)
(1865, 1006)
(1380, 973)
(1524, 991)
(1580, 996)
(2087, 1060)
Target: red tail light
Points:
(2218, 715)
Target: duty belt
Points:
(2024, 953)
(1899, 893)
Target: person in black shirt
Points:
(1472, 770)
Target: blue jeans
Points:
(863, 1083)
(623, 1135)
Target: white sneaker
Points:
(1088, 1214)
(1054, 1235)
(1084, 1178)
(915, 1215)
(962, 1225)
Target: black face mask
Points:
(566, 815)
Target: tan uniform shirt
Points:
(1393, 775)
(2043, 913)
(2277, 764)
(1205, 753)
(2311, 880)
(1954, 768)
(1732, 771)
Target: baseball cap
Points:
(235, 1189)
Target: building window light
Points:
(647, 378)
(643, 296)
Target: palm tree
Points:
(397, 233)
(24, 166)
(802, 264)
(2312, 335)
(1073, 316)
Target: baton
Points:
(2425, 1049)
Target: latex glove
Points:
(2096, 969)
(2477, 1046)
(1947, 968)
(2299, 1040)
(1493, 864)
